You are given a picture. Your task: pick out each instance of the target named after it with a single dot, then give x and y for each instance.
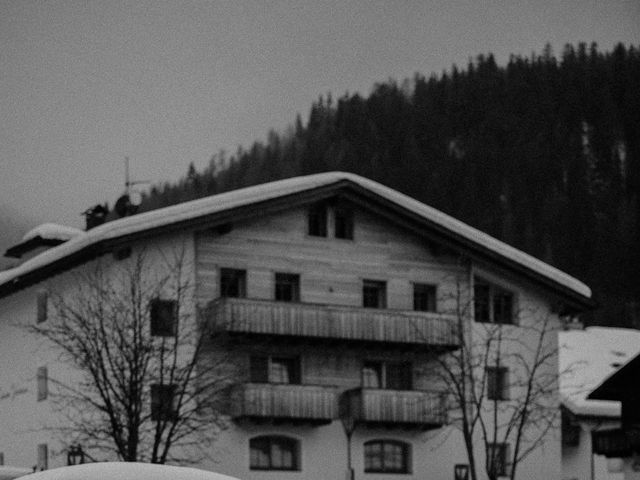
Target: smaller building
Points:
(586, 358)
(624, 441)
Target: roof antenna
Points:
(129, 203)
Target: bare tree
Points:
(502, 385)
(149, 384)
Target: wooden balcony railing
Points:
(611, 443)
(263, 317)
(294, 403)
(394, 408)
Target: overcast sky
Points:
(84, 84)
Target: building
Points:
(587, 357)
(343, 292)
(622, 442)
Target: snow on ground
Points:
(586, 358)
(52, 231)
(126, 471)
(259, 193)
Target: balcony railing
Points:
(394, 408)
(263, 317)
(611, 443)
(292, 403)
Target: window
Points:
(1, 458)
(374, 294)
(43, 457)
(274, 453)
(344, 223)
(388, 375)
(497, 383)
(43, 384)
(492, 303)
(424, 297)
(233, 283)
(318, 221)
(42, 301)
(287, 287)
(386, 456)
(498, 459)
(163, 402)
(273, 369)
(163, 317)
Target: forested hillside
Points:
(543, 153)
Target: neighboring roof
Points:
(47, 234)
(126, 471)
(622, 383)
(586, 358)
(253, 200)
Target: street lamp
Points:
(75, 455)
(461, 472)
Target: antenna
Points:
(134, 196)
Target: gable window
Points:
(42, 384)
(492, 304)
(387, 375)
(163, 317)
(233, 283)
(317, 221)
(163, 402)
(498, 459)
(344, 223)
(287, 287)
(424, 297)
(274, 369)
(386, 456)
(274, 453)
(374, 294)
(497, 383)
(42, 304)
(43, 457)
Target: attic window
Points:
(492, 304)
(42, 302)
(317, 221)
(163, 317)
(344, 223)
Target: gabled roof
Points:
(280, 195)
(621, 384)
(586, 358)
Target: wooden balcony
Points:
(394, 408)
(611, 443)
(273, 403)
(335, 323)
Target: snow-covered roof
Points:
(260, 193)
(52, 231)
(126, 471)
(586, 358)
(9, 473)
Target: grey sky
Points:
(83, 84)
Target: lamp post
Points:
(461, 472)
(75, 455)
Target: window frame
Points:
(283, 280)
(486, 303)
(497, 376)
(405, 451)
(380, 287)
(503, 463)
(42, 306)
(343, 223)
(42, 382)
(235, 275)
(161, 394)
(431, 302)
(261, 369)
(381, 368)
(292, 446)
(157, 324)
(317, 217)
